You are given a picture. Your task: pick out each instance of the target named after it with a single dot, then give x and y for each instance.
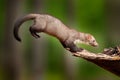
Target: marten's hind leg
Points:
(38, 26)
(33, 30)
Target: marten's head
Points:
(86, 39)
(89, 39)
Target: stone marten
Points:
(53, 26)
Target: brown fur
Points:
(54, 27)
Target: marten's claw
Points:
(79, 49)
(76, 49)
(34, 34)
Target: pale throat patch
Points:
(78, 41)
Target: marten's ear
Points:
(88, 37)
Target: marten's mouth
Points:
(94, 45)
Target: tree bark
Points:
(109, 59)
(69, 65)
(38, 48)
(113, 21)
(12, 57)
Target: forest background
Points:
(45, 58)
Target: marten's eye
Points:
(93, 40)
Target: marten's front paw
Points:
(75, 49)
(79, 50)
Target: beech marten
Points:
(52, 26)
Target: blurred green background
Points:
(45, 58)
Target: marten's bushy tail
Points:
(19, 22)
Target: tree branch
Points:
(109, 59)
